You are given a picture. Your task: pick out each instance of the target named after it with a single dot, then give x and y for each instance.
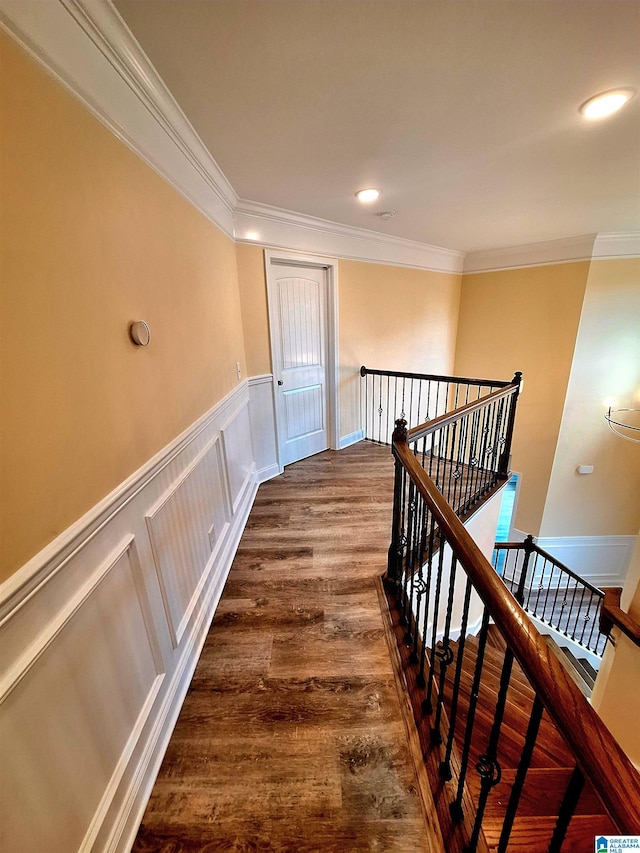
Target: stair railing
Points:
(388, 395)
(552, 593)
(441, 589)
(612, 616)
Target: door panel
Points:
(300, 360)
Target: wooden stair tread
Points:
(532, 834)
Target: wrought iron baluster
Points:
(488, 765)
(410, 560)
(567, 809)
(444, 654)
(521, 773)
(410, 419)
(420, 679)
(579, 615)
(568, 630)
(456, 806)
(595, 624)
(557, 590)
(380, 409)
(405, 551)
(427, 704)
(394, 559)
(475, 460)
(437, 409)
(445, 764)
(564, 602)
(462, 465)
(420, 584)
(546, 589)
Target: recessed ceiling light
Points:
(369, 195)
(386, 214)
(606, 103)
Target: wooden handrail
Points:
(450, 417)
(612, 615)
(454, 380)
(596, 751)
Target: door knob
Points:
(280, 382)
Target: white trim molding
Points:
(617, 245)
(88, 47)
(280, 229)
(103, 629)
(564, 251)
(601, 560)
(352, 438)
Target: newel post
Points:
(528, 547)
(394, 559)
(503, 464)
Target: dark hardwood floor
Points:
(291, 737)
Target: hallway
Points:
(291, 736)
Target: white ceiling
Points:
(465, 112)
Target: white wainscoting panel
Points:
(263, 426)
(100, 634)
(89, 687)
(601, 560)
(238, 454)
(186, 528)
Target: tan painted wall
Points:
(606, 365)
(255, 314)
(92, 239)
(539, 311)
(392, 318)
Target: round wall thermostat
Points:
(140, 333)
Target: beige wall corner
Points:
(615, 695)
(255, 313)
(93, 239)
(606, 366)
(525, 319)
(393, 318)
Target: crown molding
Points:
(89, 49)
(617, 245)
(277, 228)
(564, 251)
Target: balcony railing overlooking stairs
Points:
(445, 599)
(388, 395)
(551, 593)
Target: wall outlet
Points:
(238, 370)
(212, 537)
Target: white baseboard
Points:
(352, 438)
(268, 473)
(601, 560)
(101, 633)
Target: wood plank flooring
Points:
(291, 737)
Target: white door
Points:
(298, 316)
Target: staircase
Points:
(579, 668)
(551, 764)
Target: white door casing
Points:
(302, 324)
